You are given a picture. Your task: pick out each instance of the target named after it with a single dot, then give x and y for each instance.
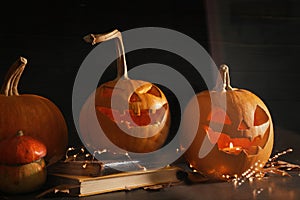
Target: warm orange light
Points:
(232, 149)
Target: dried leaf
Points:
(57, 189)
(154, 187)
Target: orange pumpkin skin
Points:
(36, 115)
(22, 164)
(246, 123)
(140, 118)
(143, 113)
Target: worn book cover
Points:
(77, 185)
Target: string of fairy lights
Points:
(80, 153)
(258, 171)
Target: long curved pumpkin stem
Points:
(223, 83)
(121, 62)
(11, 80)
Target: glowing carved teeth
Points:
(156, 124)
(152, 110)
(130, 126)
(137, 109)
(123, 113)
(249, 145)
(135, 116)
(252, 134)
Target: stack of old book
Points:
(84, 178)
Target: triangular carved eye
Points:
(154, 91)
(134, 98)
(260, 116)
(218, 115)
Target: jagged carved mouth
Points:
(144, 117)
(237, 145)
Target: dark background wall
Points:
(259, 40)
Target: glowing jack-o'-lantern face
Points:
(146, 105)
(133, 114)
(236, 135)
(247, 133)
(139, 121)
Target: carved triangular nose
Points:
(243, 126)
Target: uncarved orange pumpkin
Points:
(139, 120)
(35, 115)
(237, 134)
(22, 165)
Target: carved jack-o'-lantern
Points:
(133, 114)
(231, 136)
